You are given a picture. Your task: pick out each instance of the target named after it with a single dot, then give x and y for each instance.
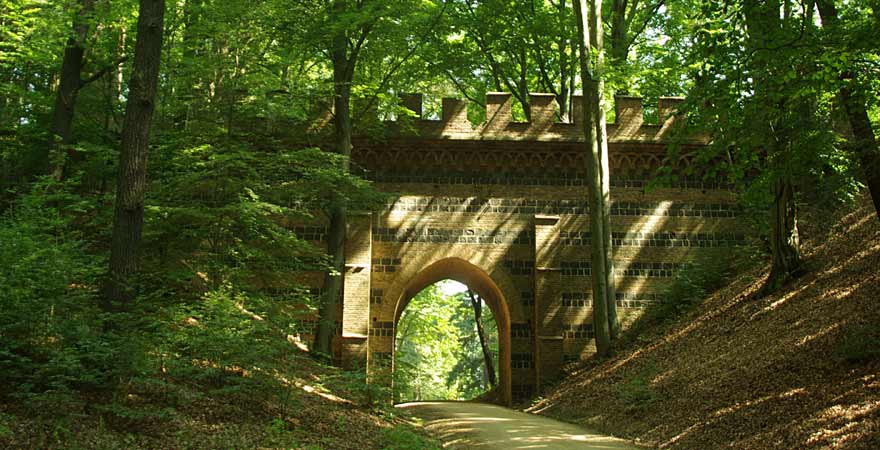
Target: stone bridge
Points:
(502, 208)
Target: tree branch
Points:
(387, 77)
(104, 71)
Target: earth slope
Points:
(799, 369)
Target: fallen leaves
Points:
(754, 374)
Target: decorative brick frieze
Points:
(488, 205)
(659, 239)
(574, 238)
(575, 268)
(520, 330)
(673, 209)
(569, 358)
(453, 236)
(648, 269)
(527, 298)
(311, 233)
(625, 269)
(673, 239)
(554, 207)
(549, 180)
(381, 359)
(635, 299)
(522, 392)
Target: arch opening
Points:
(482, 285)
(446, 347)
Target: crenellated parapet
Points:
(629, 126)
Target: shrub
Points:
(403, 438)
(636, 394)
(51, 339)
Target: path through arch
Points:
(480, 282)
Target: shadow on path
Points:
(462, 425)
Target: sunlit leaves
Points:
(438, 354)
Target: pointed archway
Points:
(478, 280)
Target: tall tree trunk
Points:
(784, 241)
(343, 74)
(477, 304)
(851, 95)
(128, 217)
(70, 83)
(604, 166)
(594, 180)
(618, 31)
(766, 31)
(564, 65)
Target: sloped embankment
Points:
(796, 370)
(312, 407)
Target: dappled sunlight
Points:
(723, 413)
(787, 366)
(325, 395)
(820, 333)
(842, 421)
(792, 294)
(475, 425)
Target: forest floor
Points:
(799, 369)
(321, 408)
(471, 425)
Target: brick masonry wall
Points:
(510, 199)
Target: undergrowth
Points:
(689, 287)
(205, 355)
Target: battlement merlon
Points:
(629, 126)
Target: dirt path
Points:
(463, 425)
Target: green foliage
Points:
(859, 345)
(403, 438)
(637, 394)
(438, 354)
(50, 329)
(234, 169)
(690, 286)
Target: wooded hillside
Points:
(163, 166)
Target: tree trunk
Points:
(128, 217)
(594, 179)
(326, 327)
(784, 239)
(618, 32)
(604, 168)
(343, 74)
(864, 142)
(477, 304)
(70, 83)
(766, 31)
(563, 98)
